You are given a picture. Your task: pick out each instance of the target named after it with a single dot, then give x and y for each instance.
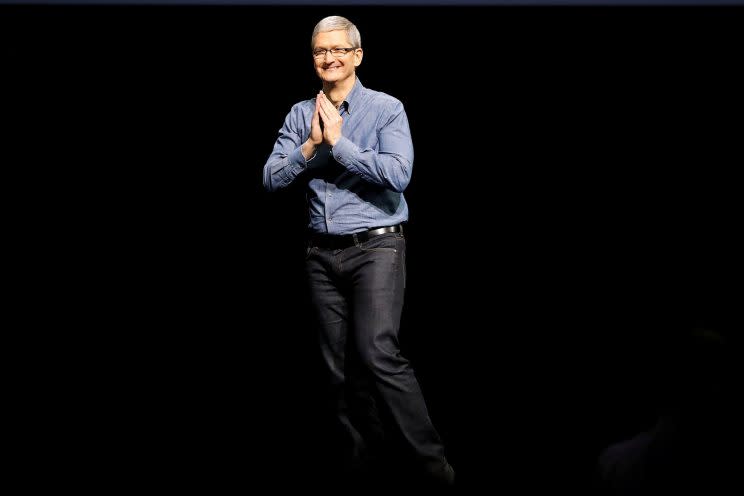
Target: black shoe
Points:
(442, 477)
(447, 475)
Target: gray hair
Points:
(334, 23)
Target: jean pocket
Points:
(383, 242)
(309, 250)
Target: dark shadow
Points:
(690, 445)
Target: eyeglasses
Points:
(336, 52)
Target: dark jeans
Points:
(357, 295)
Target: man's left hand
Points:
(332, 120)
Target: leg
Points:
(349, 390)
(377, 273)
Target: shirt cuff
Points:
(343, 149)
(297, 158)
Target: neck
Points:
(337, 91)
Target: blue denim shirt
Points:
(357, 184)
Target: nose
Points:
(328, 56)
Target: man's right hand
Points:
(316, 134)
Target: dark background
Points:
(574, 204)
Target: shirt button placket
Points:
(328, 197)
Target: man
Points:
(352, 146)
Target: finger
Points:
(326, 103)
(324, 112)
(324, 118)
(316, 113)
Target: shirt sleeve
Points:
(389, 166)
(286, 161)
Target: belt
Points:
(347, 240)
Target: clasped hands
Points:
(327, 114)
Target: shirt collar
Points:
(354, 97)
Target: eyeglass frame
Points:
(327, 50)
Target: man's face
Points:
(334, 69)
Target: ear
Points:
(358, 55)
